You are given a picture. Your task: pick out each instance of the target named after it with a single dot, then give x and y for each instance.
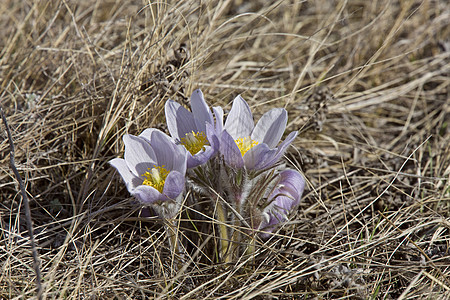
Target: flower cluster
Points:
(232, 160)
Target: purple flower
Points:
(195, 130)
(282, 200)
(153, 168)
(255, 147)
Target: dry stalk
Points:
(26, 203)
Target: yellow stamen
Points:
(194, 142)
(156, 177)
(245, 144)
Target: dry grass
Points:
(366, 83)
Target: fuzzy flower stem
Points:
(172, 233)
(235, 239)
(223, 232)
(239, 196)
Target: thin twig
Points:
(36, 263)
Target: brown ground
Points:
(366, 83)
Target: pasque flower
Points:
(153, 169)
(243, 144)
(195, 130)
(245, 179)
(282, 200)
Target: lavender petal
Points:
(270, 127)
(230, 151)
(168, 154)
(280, 150)
(199, 158)
(174, 185)
(213, 137)
(292, 183)
(179, 120)
(147, 195)
(200, 110)
(256, 157)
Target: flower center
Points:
(245, 144)
(156, 177)
(194, 142)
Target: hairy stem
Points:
(223, 232)
(172, 232)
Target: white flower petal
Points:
(239, 122)
(131, 181)
(147, 134)
(139, 156)
(218, 112)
